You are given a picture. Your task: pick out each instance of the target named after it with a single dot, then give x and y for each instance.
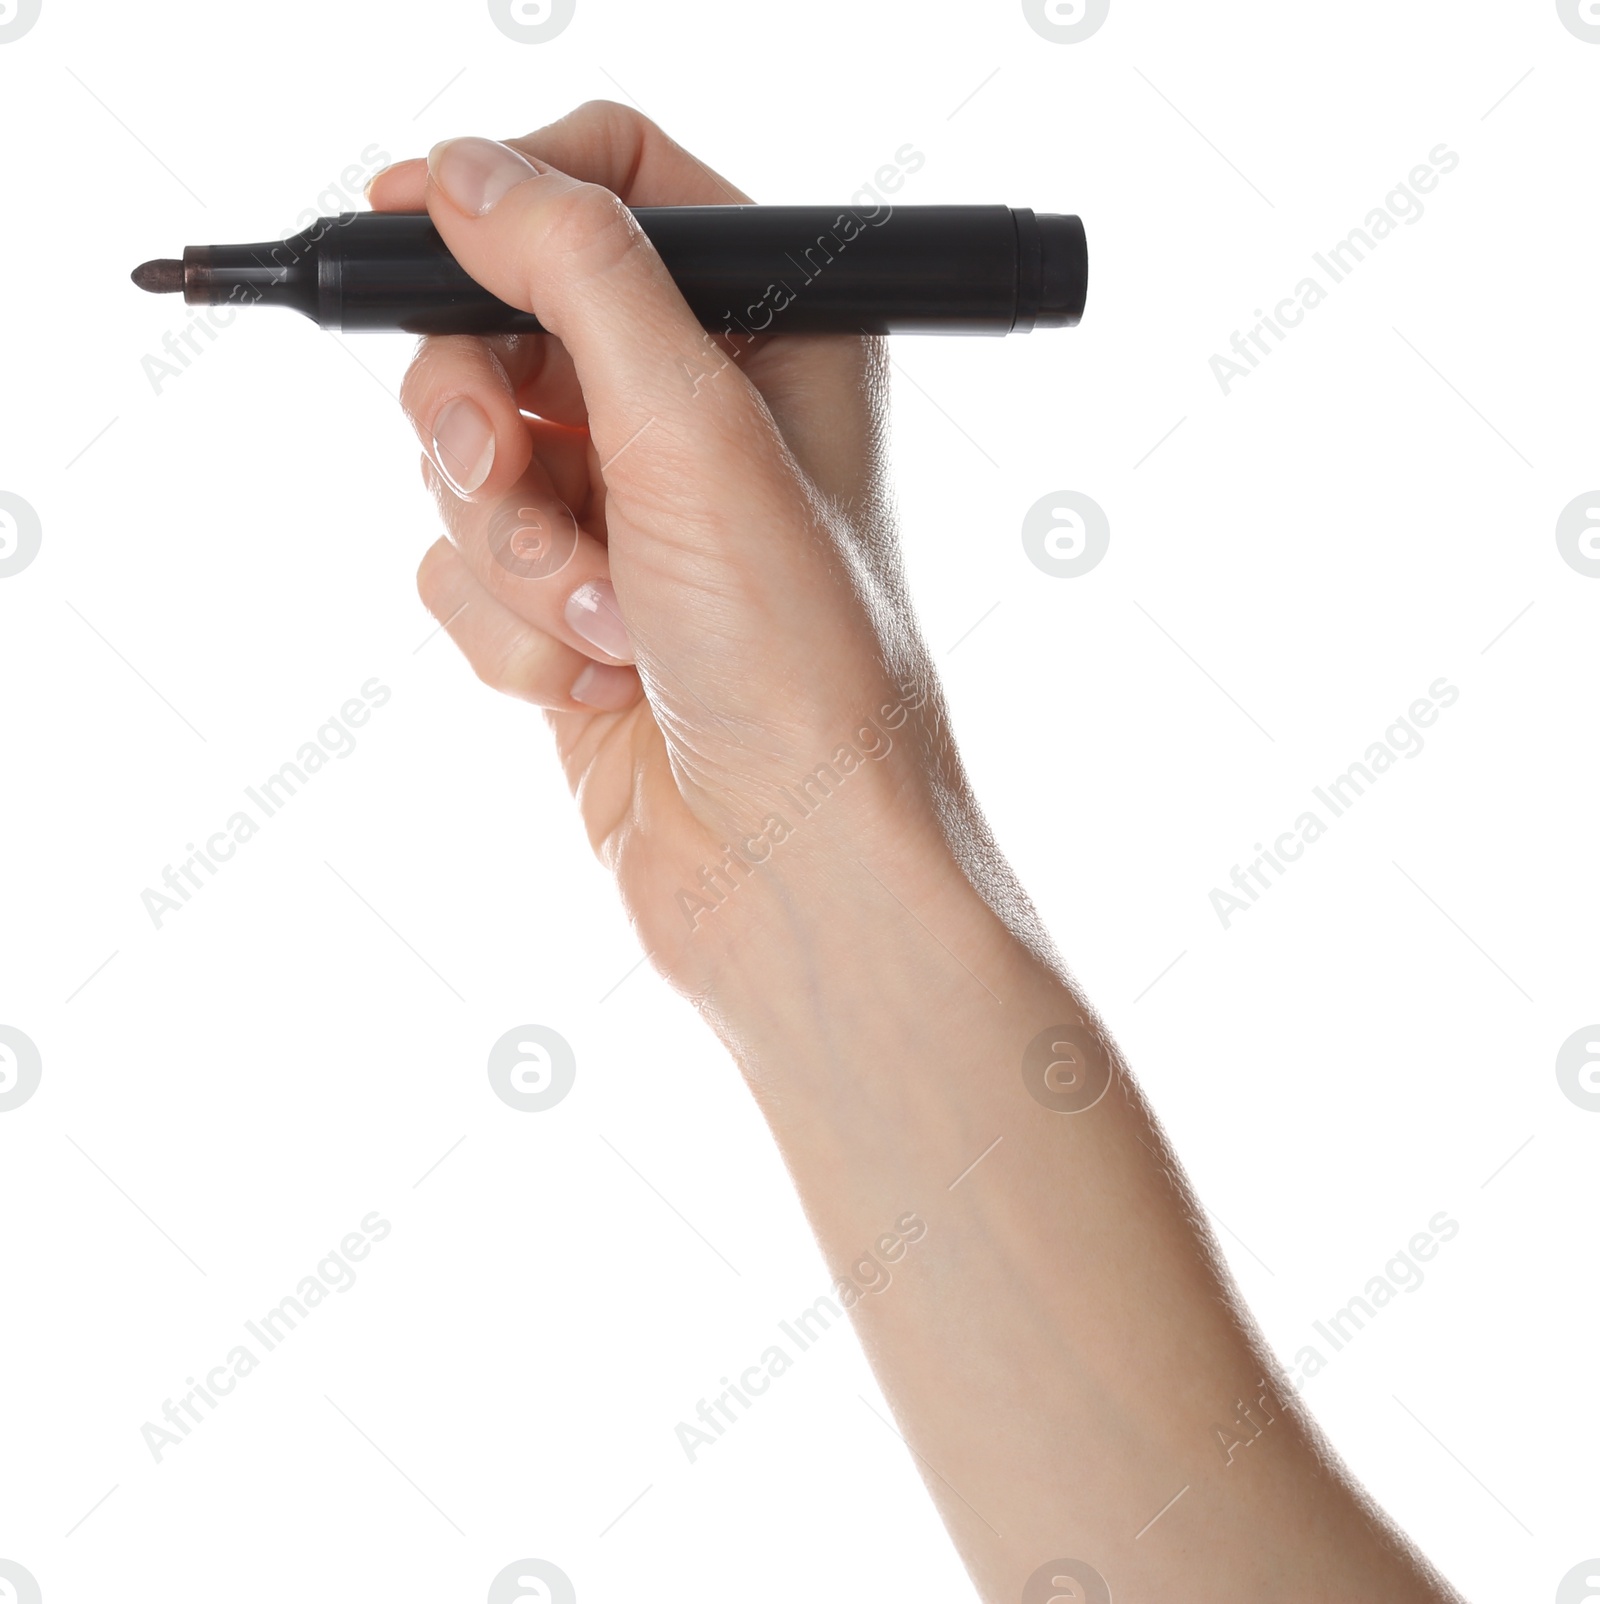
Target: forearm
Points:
(1062, 1349)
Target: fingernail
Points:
(463, 445)
(475, 173)
(366, 188)
(592, 611)
(602, 686)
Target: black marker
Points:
(743, 270)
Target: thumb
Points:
(679, 432)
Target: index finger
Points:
(602, 143)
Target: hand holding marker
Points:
(729, 620)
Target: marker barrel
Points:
(744, 270)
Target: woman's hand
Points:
(685, 553)
(790, 829)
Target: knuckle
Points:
(417, 382)
(602, 108)
(513, 668)
(439, 361)
(592, 227)
(626, 123)
(491, 672)
(411, 386)
(432, 575)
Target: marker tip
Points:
(161, 277)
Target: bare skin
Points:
(706, 596)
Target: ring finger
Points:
(526, 549)
(509, 654)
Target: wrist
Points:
(866, 956)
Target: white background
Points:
(225, 562)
